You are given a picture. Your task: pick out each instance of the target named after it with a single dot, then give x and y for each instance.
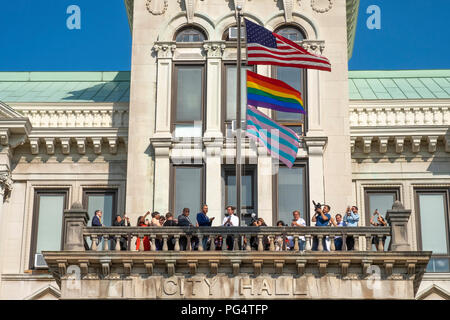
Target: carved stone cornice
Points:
(164, 50)
(313, 46)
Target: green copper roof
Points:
(399, 84)
(65, 86)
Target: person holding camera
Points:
(351, 219)
(322, 219)
(377, 220)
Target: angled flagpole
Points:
(238, 116)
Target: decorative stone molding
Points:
(78, 116)
(399, 142)
(190, 8)
(398, 218)
(157, 7)
(313, 46)
(432, 142)
(97, 142)
(164, 50)
(367, 144)
(112, 145)
(288, 6)
(34, 144)
(4, 137)
(81, 145)
(50, 145)
(6, 184)
(65, 145)
(214, 49)
(383, 141)
(416, 143)
(407, 114)
(321, 6)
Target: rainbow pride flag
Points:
(273, 94)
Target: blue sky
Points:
(34, 36)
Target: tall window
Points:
(187, 190)
(229, 94)
(294, 77)
(101, 199)
(381, 199)
(248, 190)
(48, 214)
(290, 193)
(190, 34)
(188, 100)
(433, 222)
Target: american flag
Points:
(265, 47)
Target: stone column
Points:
(214, 50)
(213, 161)
(316, 173)
(75, 219)
(398, 218)
(162, 175)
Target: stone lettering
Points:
(170, 287)
(244, 285)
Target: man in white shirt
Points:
(230, 220)
(297, 222)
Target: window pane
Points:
(291, 193)
(51, 210)
(432, 222)
(382, 202)
(291, 34)
(292, 76)
(103, 202)
(246, 190)
(189, 94)
(190, 35)
(438, 265)
(188, 130)
(188, 188)
(231, 92)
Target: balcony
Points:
(260, 265)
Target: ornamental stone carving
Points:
(164, 50)
(214, 50)
(321, 6)
(6, 183)
(157, 7)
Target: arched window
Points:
(190, 34)
(291, 33)
(230, 33)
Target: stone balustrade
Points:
(263, 238)
(254, 269)
(76, 116)
(420, 115)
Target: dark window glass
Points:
(190, 35)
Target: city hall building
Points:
(161, 138)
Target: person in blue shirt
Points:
(204, 221)
(351, 219)
(322, 219)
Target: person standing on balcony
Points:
(377, 220)
(337, 222)
(297, 222)
(322, 219)
(97, 219)
(119, 222)
(183, 221)
(351, 219)
(204, 221)
(170, 222)
(141, 223)
(156, 216)
(230, 220)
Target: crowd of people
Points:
(322, 218)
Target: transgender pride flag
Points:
(281, 142)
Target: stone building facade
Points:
(160, 138)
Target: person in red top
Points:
(141, 223)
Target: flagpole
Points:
(238, 117)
